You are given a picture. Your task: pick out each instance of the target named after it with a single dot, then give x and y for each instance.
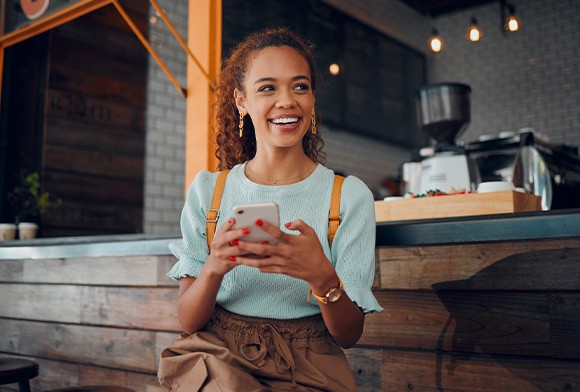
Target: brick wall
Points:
(527, 79)
(165, 154)
(530, 79)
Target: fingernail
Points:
(259, 222)
(230, 221)
(266, 242)
(288, 224)
(232, 258)
(246, 230)
(235, 242)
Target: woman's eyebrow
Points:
(270, 79)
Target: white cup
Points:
(27, 230)
(7, 231)
(495, 186)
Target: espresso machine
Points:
(532, 164)
(443, 113)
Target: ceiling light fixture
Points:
(510, 22)
(474, 32)
(435, 42)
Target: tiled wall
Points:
(527, 79)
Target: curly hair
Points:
(231, 148)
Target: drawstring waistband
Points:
(260, 337)
(266, 334)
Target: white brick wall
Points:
(165, 154)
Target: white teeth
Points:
(289, 120)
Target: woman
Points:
(248, 323)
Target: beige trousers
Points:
(237, 354)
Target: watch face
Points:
(333, 295)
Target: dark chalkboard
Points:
(373, 95)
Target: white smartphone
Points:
(247, 215)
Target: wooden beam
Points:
(53, 20)
(204, 40)
(148, 46)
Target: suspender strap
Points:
(334, 216)
(212, 215)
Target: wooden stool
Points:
(14, 370)
(93, 388)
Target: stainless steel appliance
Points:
(443, 112)
(530, 162)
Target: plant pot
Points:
(27, 230)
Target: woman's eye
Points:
(302, 87)
(266, 88)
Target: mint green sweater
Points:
(247, 291)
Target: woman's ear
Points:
(239, 98)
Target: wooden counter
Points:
(487, 304)
(484, 303)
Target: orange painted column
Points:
(204, 39)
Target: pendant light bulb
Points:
(435, 42)
(474, 32)
(512, 24)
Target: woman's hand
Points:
(223, 252)
(300, 256)
(197, 296)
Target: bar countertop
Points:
(462, 230)
(486, 228)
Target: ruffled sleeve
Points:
(353, 248)
(192, 250)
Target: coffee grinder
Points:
(443, 113)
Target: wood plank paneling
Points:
(149, 308)
(366, 367)
(127, 349)
(95, 137)
(111, 271)
(76, 107)
(143, 308)
(41, 302)
(475, 333)
(61, 374)
(94, 120)
(420, 371)
(512, 265)
(491, 322)
(98, 188)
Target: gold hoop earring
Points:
(241, 126)
(313, 122)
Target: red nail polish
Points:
(288, 224)
(259, 222)
(235, 242)
(232, 258)
(266, 242)
(246, 230)
(230, 221)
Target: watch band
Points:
(326, 298)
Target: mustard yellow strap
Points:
(212, 215)
(334, 216)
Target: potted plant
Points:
(29, 202)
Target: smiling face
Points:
(278, 97)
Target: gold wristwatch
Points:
(331, 296)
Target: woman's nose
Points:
(286, 99)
